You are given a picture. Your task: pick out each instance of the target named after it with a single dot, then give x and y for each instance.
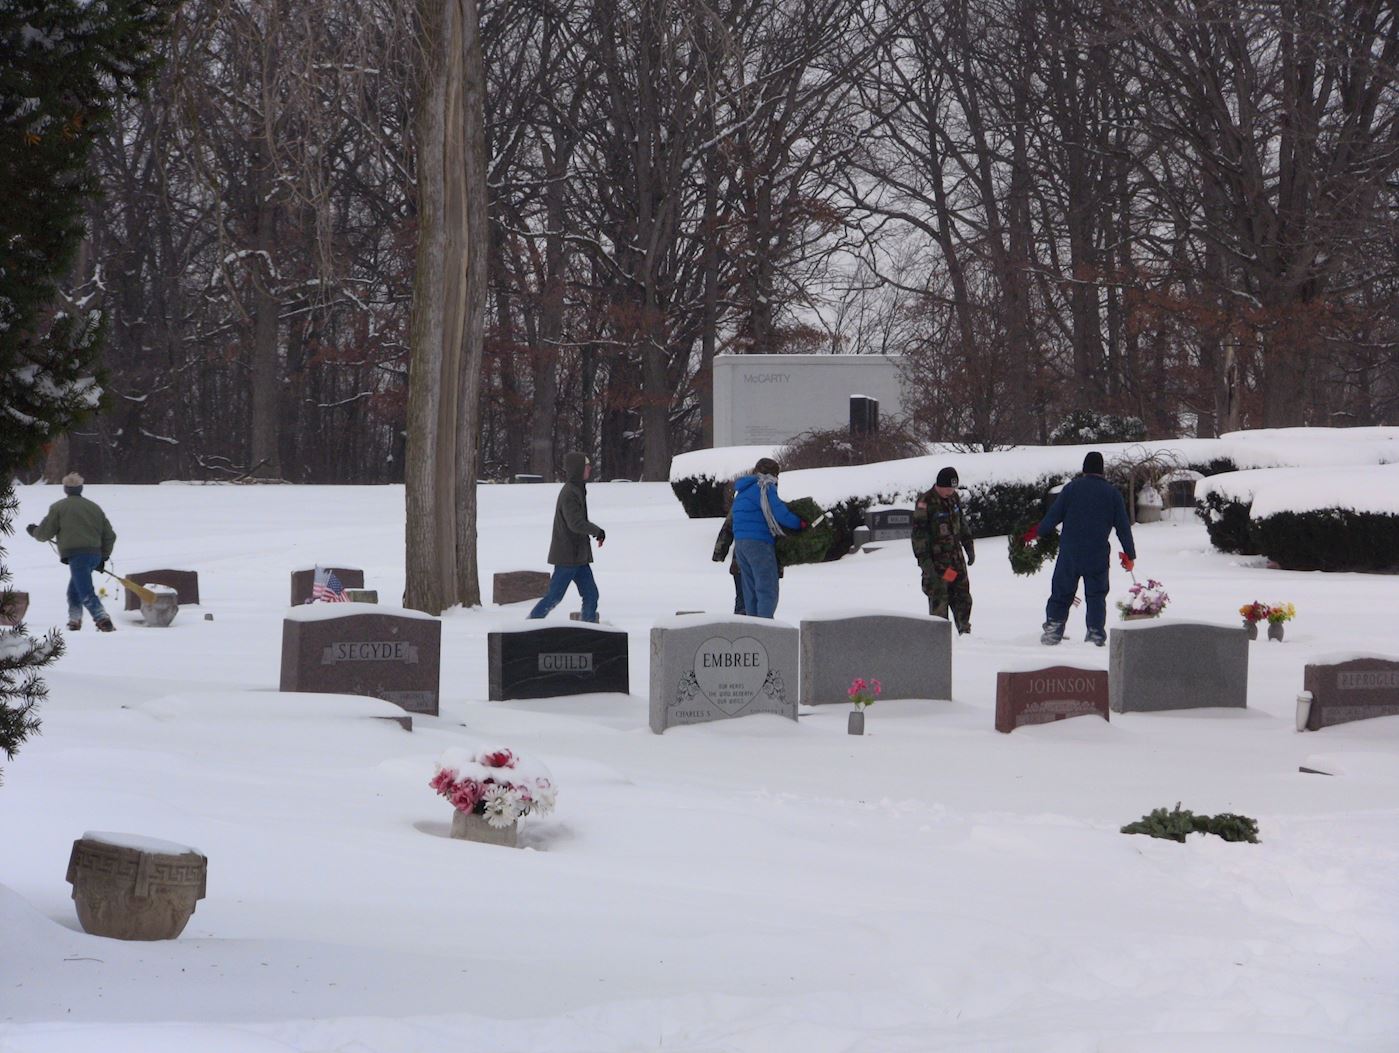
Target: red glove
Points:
(1127, 562)
(1030, 535)
(805, 525)
(949, 575)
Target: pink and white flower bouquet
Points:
(494, 783)
(1144, 600)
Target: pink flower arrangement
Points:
(1146, 600)
(495, 783)
(863, 692)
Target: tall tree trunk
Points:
(265, 426)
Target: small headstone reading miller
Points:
(555, 660)
(1155, 666)
(910, 654)
(1351, 689)
(184, 582)
(705, 668)
(303, 580)
(1042, 696)
(889, 524)
(359, 649)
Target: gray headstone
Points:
(890, 524)
(705, 668)
(555, 660)
(909, 654)
(516, 586)
(1351, 689)
(1155, 665)
(303, 580)
(362, 595)
(184, 582)
(358, 649)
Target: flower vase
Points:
(1275, 631)
(856, 724)
(467, 826)
(1252, 629)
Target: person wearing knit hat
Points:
(85, 539)
(1089, 507)
(943, 547)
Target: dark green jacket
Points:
(940, 533)
(78, 525)
(570, 545)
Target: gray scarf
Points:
(766, 483)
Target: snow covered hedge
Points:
(1335, 519)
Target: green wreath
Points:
(1027, 559)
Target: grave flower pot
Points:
(467, 826)
(130, 888)
(161, 611)
(1252, 629)
(1304, 710)
(1137, 617)
(855, 725)
(1275, 631)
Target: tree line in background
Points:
(1178, 210)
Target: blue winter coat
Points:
(748, 520)
(1089, 507)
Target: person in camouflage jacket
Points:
(940, 537)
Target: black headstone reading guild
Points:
(556, 660)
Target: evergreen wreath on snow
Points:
(1177, 825)
(1027, 559)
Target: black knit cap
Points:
(1093, 463)
(947, 477)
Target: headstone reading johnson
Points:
(545, 661)
(303, 580)
(707, 668)
(1351, 688)
(909, 654)
(360, 649)
(1158, 665)
(1042, 696)
(184, 582)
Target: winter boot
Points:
(1053, 633)
(104, 625)
(74, 624)
(1097, 637)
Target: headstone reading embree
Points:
(555, 660)
(909, 654)
(359, 649)
(516, 586)
(889, 524)
(1177, 665)
(705, 668)
(1042, 696)
(1352, 689)
(184, 582)
(303, 580)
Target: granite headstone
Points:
(516, 586)
(1159, 665)
(184, 582)
(303, 580)
(705, 668)
(556, 660)
(359, 649)
(1351, 689)
(910, 655)
(1042, 696)
(889, 524)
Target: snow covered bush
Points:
(494, 783)
(1228, 523)
(1090, 426)
(1335, 539)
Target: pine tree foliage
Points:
(1178, 824)
(64, 63)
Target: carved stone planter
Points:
(161, 612)
(131, 888)
(469, 827)
(1275, 631)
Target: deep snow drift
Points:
(751, 885)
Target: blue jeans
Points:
(80, 591)
(580, 574)
(757, 565)
(1065, 584)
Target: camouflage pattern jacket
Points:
(940, 533)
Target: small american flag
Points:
(327, 588)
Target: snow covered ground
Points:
(750, 885)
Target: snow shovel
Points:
(143, 594)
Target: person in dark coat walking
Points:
(1089, 507)
(85, 539)
(570, 551)
(759, 519)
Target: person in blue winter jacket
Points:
(759, 519)
(1089, 507)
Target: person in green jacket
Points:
(85, 539)
(569, 550)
